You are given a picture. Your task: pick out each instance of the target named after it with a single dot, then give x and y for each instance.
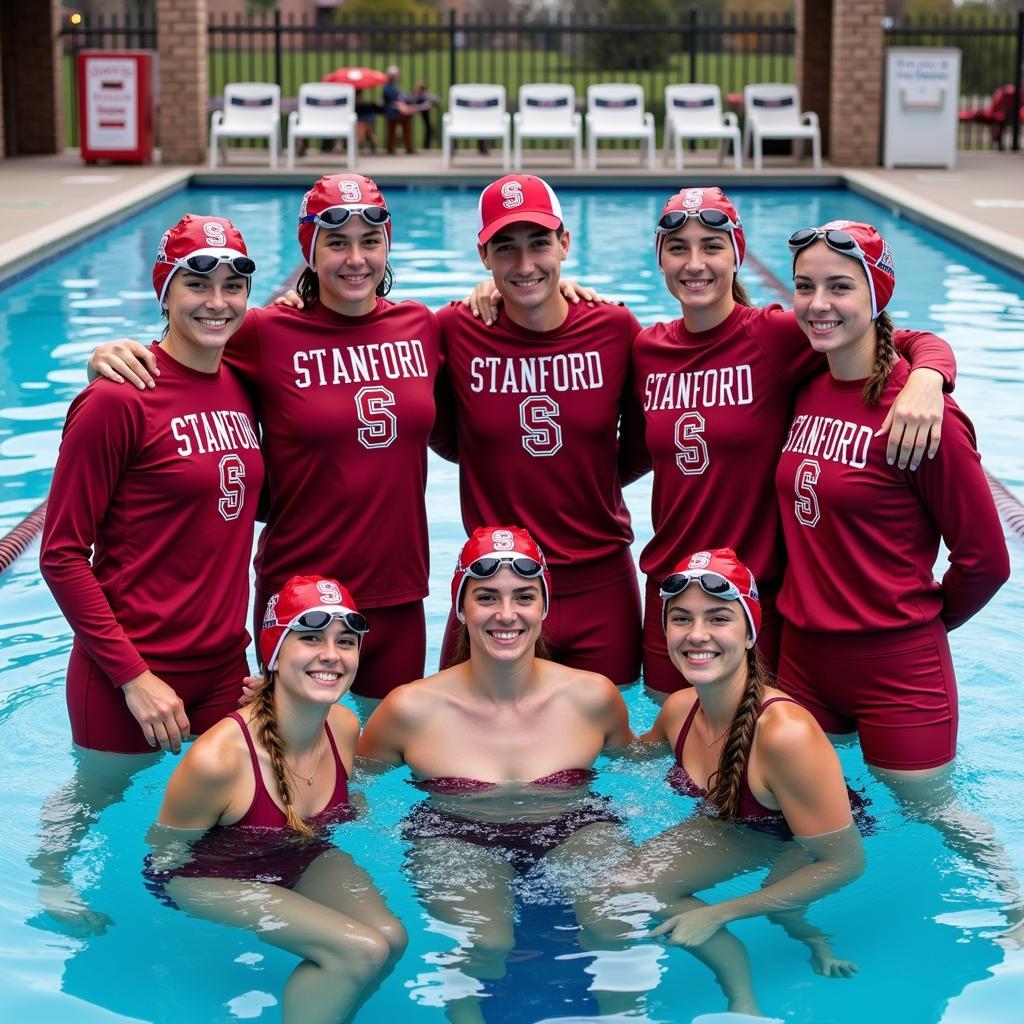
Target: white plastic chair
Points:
(616, 111)
(547, 112)
(326, 110)
(695, 112)
(476, 112)
(772, 111)
(252, 110)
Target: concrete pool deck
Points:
(47, 203)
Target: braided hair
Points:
(264, 718)
(885, 356)
(726, 783)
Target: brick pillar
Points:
(182, 45)
(814, 61)
(858, 48)
(33, 58)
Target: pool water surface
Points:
(923, 924)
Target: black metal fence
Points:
(693, 46)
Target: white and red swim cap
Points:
(861, 242)
(192, 236)
(491, 547)
(304, 604)
(712, 207)
(338, 192)
(719, 573)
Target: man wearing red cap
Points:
(537, 402)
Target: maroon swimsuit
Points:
(751, 811)
(259, 847)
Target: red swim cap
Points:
(719, 573)
(299, 596)
(351, 192)
(194, 235)
(488, 549)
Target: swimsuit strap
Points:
(340, 794)
(685, 731)
(775, 700)
(260, 791)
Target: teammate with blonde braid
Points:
(260, 790)
(760, 764)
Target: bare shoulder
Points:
(218, 756)
(786, 727)
(591, 692)
(672, 715)
(411, 703)
(344, 724)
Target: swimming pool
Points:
(920, 923)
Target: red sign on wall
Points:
(115, 105)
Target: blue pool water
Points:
(922, 923)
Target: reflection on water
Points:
(922, 924)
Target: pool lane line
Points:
(1007, 503)
(14, 543)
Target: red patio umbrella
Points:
(361, 78)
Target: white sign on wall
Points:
(111, 93)
(922, 107)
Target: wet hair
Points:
(726, 783)
(885, 356)
(264, 718)
(308, 285)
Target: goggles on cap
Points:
(205, 263)
(710, 582)
(336, 216)
(716, 219)
(485, 568)
(317, 619)
(835, 239)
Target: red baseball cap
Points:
(352, 192)
(719, 573)
(298, 597)
(488, 549)
(516, 198)
(861, 242)
(194, 235)
(692, 202)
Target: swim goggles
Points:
(716, 219)
(835, 239)
(205, 263)
(710, 582)
(485, 568)
(336, 216)
(317, 619)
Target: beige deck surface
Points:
(47, 202)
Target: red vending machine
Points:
(115, 105)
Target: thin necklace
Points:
(717, 738)
(308, 780)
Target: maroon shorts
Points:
(392, 653)
(100, 719)
(896, 688)
(597, 630)
(659, 672)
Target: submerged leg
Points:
(99, 781)
(341, 957)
